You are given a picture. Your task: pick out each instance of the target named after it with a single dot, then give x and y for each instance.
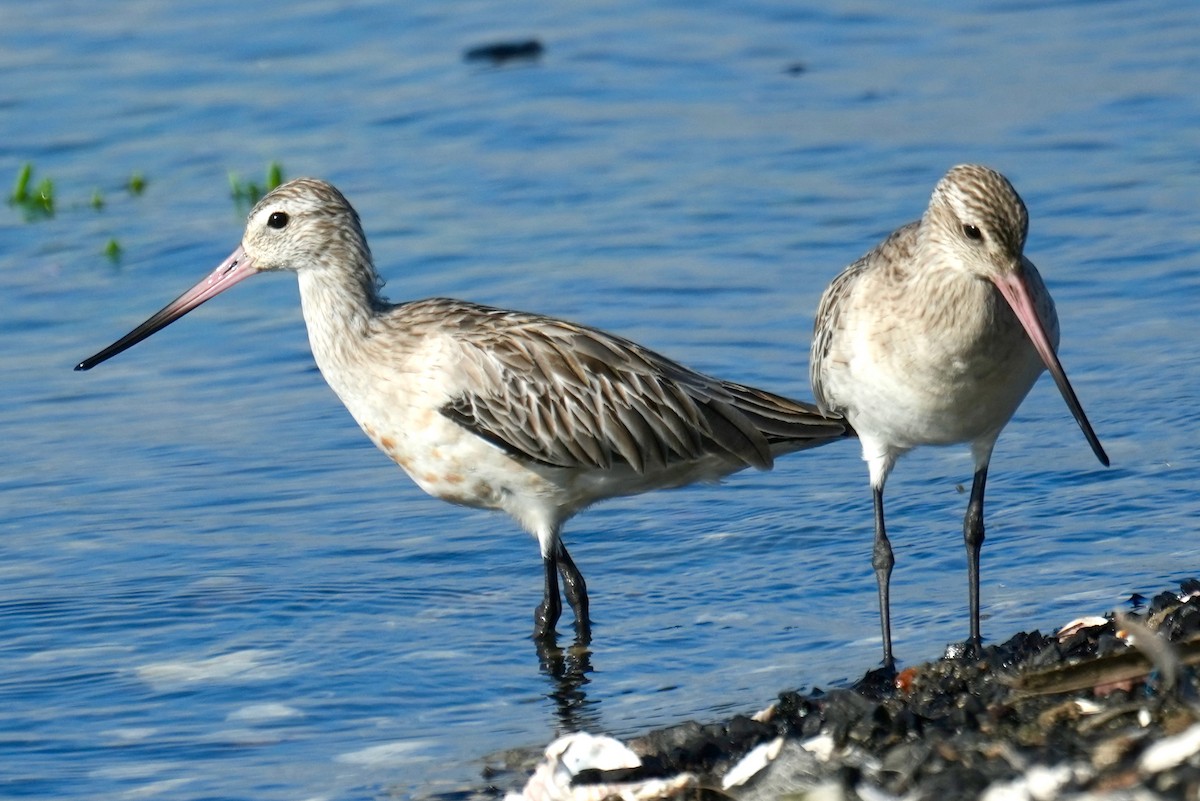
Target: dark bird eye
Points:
(972, 231)
(278, 219)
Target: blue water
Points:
(213, 586)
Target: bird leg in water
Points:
(545, 617)
(575, 588)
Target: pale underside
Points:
(538, 417)
(913, 354)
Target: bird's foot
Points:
(877, 683)
(583, 629)
(545, 619)
(964, 651)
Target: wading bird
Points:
(483, 407)
(934, 338)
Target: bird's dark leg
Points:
(883, 560)
(575, 588)
(973, 537)
(546, 615)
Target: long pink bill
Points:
(1016, 292)
(237, 267)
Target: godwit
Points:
(498, 409)
(934, 338)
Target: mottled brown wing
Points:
(830, 311)
(570, 396)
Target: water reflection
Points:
(568, 669)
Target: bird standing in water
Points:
(934, 338)
(506, 410)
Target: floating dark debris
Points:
(503, 52)
(1095, 712)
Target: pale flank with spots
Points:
(498, 409)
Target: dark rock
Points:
(951, 729)
(1163, 601)
(502, 52)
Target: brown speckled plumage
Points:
(934, 337)
(505, 410)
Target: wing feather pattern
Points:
(569, 396)
(828, 322)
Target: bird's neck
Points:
(338, 307)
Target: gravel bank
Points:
(1106, 708)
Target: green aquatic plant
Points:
(274, 175)
(43, 196)
(34, 200)
(37, 199)
(247, 193)
(20, 191)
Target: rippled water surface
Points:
(213, 586)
